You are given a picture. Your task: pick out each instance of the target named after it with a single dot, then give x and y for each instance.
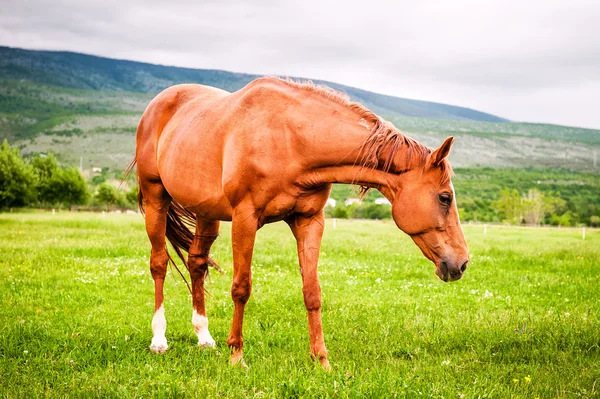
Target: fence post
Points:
(485, 229)
(583, 233)
(334, 223)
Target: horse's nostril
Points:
(444, 270)
(464, 267)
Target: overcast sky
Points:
(536, 60)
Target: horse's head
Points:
(425, 208)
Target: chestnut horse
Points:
(271, 152)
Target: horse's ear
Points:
(438, 155)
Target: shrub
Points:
(17, 180)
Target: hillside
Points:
(87, 108)
(80, 71)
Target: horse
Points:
(271, 152)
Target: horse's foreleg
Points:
(157, 205)
(243, 233)
(308, 232)
(198, 262)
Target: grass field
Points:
(77, 300)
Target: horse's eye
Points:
(445, 199)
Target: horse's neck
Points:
(334, 150)
(333, 139)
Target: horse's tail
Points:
(180, 224)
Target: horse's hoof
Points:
(159, 345)
(207, 344)
(322, 360)
(159, 348)
(325, 364)
(238, 361)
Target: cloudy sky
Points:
(536, 60)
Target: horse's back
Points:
(210, 148)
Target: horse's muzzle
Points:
(449, 272)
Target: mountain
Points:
(86, 109)
(81, 71)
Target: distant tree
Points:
(566, 219)
(553, 204)
(131, 196)
(375, 211)
(533, 206)
(510, 206)
(70, 187)
(106, 194)
(58, 186)
(594, 221)
(340, 212)
(355, 211)
(96, 180)
(45, 169)
(17, 181)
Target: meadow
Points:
(76, 302)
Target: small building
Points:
(382, 201)
(331, 202)
(351, 201)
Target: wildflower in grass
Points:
(527, 379)
(516, 380)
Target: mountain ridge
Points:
(84, 71)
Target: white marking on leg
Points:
(200, 324)
(159, 327)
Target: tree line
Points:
(528, 196)
(512, 207)
(514, 196)
(42, 182)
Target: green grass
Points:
(77, 299)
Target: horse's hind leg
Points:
(156, 202)
(198, 262)
(308, 232)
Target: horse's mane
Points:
(384, 137)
